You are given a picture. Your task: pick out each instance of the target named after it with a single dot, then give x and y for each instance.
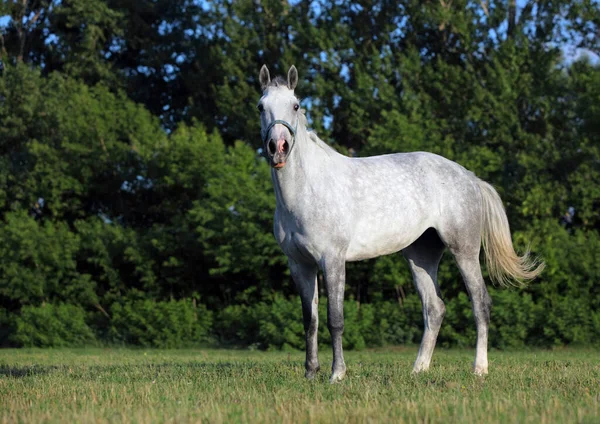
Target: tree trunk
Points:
(512, 17)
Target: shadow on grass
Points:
(150, 370)
(25, 371)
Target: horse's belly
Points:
(370, 241)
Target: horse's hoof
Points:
(337, 377)
(480, 371)
(418, 369)
(311, 374)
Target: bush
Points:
(277, 324)
(273, 324)
(172, 324)
(513, 318)
(458, 328)
(516, 321)
(5, 327)
(51, 325)
(360, 328)
(399, 325)
(571, 322)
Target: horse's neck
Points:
(308, 166)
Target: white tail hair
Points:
(504, 265)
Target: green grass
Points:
(122, 385)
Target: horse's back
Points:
(413, 181)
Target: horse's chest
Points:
(305, 240)
(300, 248)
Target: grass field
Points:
(122, 385)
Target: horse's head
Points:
(279, 115)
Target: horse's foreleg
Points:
(305, 277)
(335, 278)
(471, 271)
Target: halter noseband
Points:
(285, 124)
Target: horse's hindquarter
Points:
(397, 197)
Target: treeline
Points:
(135, 209)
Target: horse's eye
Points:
(260, 107)
(296, 106)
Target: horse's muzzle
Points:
(278, 151)
(277, 146)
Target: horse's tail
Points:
(504, 265)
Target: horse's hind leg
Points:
(423, 257)
(482, 303)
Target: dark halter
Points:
(285, 124)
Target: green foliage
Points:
(169, 324)
(83, 29)
(514, 319)
(52, 325)
(272, 324)
(275, 323)
(130, 181)
(5, 327)
(396, 324)
(37, 263)
(72, 145)
(231, 219)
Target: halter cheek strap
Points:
(285, 124)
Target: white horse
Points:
(332, 209)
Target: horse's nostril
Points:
(286, 147)
(272, 147)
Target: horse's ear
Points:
(292, 78)
(264, 77)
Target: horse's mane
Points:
(313, 135)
